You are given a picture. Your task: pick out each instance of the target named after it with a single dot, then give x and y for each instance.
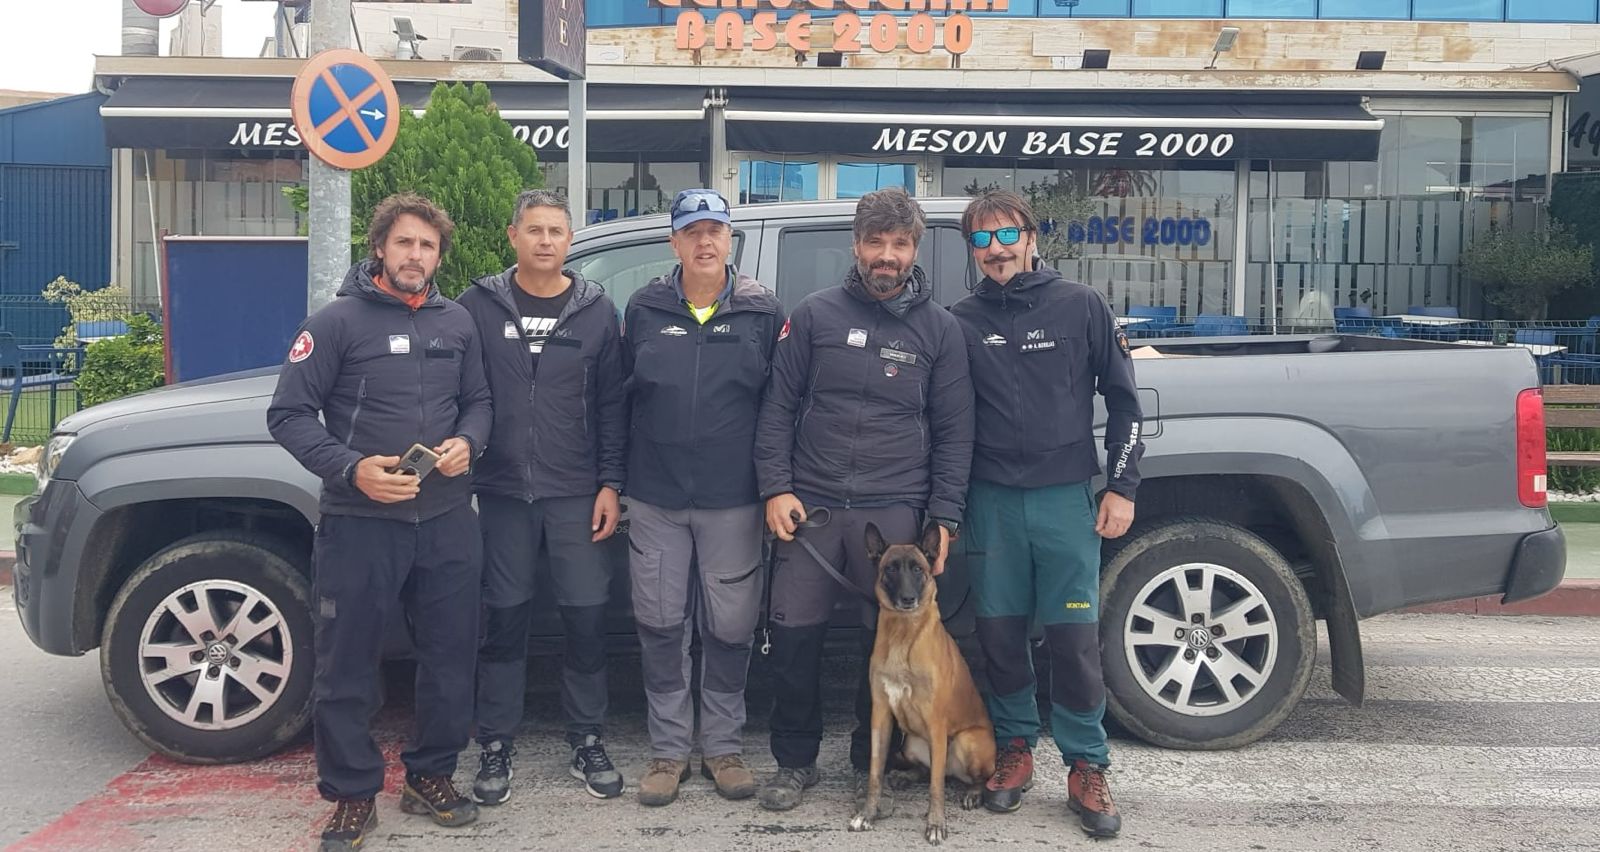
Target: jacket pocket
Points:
(355, 414)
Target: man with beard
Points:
(868, 414)
(387, 364)
(1041, 348)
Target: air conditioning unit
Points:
(477, 53)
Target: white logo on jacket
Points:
(994, 340)
(1036, 334)
(399, 344)
(674, 331)
(857, 338)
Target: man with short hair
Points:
(868, 414)
(699, 344)
(1040, 348)
(548, 486)
(389, 363)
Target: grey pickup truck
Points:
(1288, 479)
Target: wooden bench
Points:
(1572, 418)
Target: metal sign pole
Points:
(578, 150)
(328, 245)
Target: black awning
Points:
(253, 114)
(1090, 127)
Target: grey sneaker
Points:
(787, 787)
(493, 784)
(591, 766)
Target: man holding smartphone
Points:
(548, 486)
(387, 364)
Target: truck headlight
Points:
(50, 459)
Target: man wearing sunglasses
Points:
(698, 348)
(868, 414)
(1040, 347)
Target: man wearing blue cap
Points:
(698, 344)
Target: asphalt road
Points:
(1480, 733)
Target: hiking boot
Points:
(784, 790)
(352, 821)
(733, 779)
(435, 797)
(1090, 796)
(493, 784)
(591, 766)
(659, 786)
(1013, 776)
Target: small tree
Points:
(1520, 271)
(464, 157)
(1058, 203)
(125, 364)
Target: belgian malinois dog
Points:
(920, 680)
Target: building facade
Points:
(1274, 179)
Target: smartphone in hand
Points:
(417, 461)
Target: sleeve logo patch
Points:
(301, 350)
(784, 334)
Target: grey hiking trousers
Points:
(695, 569)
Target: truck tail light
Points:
(1531, 468)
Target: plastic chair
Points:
(1220, 325)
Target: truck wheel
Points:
(208, 655)
(1208, 637)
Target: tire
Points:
(241, 723)
(1242, 684)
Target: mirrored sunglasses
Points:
(1006, 236)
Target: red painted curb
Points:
(7, 561)
(1572, 598)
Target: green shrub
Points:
(1573, 480)
(126, 364)
(1522, 271)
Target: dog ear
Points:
(929, 543)
(875, 543)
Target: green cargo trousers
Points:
(1034, 558)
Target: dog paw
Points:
(861, 822)
(971, 798)
(935, 832)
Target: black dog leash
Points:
(817, 517)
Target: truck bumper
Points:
(1537, 566)
(45, 597)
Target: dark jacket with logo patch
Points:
(866, 408)
(1040, 349)
(695, 394)
(382, 376)
(563, 432)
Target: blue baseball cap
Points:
(697, 205)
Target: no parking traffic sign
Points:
(345, 108)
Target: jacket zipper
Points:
(1016, 381)
(694, 396)
(855, 433)
(361, 396)
(422, 400)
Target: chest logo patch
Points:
(1036, 334)
(891, 370)
(674, 331)
(511, 331)
(994, 340)
(399, 344)
(896, 355)
(725, 328)
(857, 338)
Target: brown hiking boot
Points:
(1090, 796)
(659, 786)
(349, 826)
(1013, 776)
(733, 779)
(435, 797)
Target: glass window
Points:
(777, 180)
(1014, 9)
(1510, 157)
(1550, 10)
(1458, 10)
(1272, 8)
(620, 13)
(1177, 8)
(613, 191)
(662, 181)
(1084, 8)
(813, 259)
(1364, 9)
(858, 179)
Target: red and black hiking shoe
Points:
(1013, 776)
(1090, 796)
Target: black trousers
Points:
(369, 571)
(803, 597)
